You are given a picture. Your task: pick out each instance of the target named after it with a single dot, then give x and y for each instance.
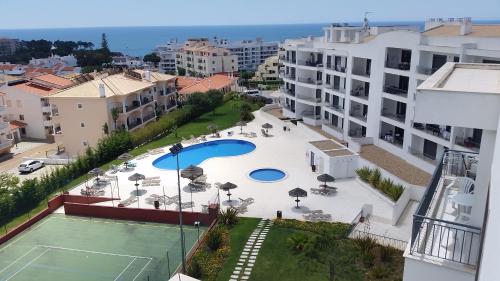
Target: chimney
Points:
(147, 75)
(102, 90)
(465, 26)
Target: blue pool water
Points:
(267, 175)
(195, 154)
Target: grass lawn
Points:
(277, 259)
(226, 115)
(238, 236)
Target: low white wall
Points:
(418, 270)
(355, 144)
(51, 161)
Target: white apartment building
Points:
(269, 70)
(457, 223)
(251, 53)
(27, 101)
(167, 53)
(5, 143)
(53, 60)
(127, 61)
(199, 58)
(359, 83)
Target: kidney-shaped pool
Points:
(197, 153)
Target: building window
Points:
(21, 117)
(79, 105)
(82, 125)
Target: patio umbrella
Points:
(125, 157)
(227, 187)
(96, 172)
(267, 126)
(297, 192)
(241, 124)
(192, 172)
(213, 128)
(325, 178)
(136, 177)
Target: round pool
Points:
(267, 175)
(197, 153)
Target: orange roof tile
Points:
(216, 82)
(35, 89)
(58, 81)
(7, 66)
(184, 81)
(14, 125)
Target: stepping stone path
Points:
(250, 252)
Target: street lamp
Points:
(176, 150)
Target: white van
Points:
(251, 93)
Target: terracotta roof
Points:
(14, 125)
(55, 80)
(35, 71)
(216, 82)
(185, 81)
(7, 66)
(454, 30)
(35, 89)
(68, 68)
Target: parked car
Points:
(30, 166)
(251, 93)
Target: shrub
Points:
(195, 269)
(299, 242)
(215, 239)
(229, 216)
(386, 185)
(366, 244)
(364, 173)
(378, 272)
(375, 178)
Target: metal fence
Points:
(446, 239)
(380, 239)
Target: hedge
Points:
(385, 185)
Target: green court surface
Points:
(71, 248)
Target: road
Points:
(17, 159)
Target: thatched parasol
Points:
(96, 172)
(227, 187)
(241, 124)
(297, 192)
(325, 178)
(267, 126)
(213, 128)
(191, 172)
(136, 177)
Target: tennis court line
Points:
(125, 269)
(28, 264)
(18, 259)
(144, 267)
(114, 222)
(93, 252)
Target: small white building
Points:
(167, 53)
(127, 61)
(330, 157)
(5, 143)
(269, 70)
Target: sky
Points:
(19, 14)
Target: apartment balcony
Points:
(310, 63)
(310, 81)
(289, 76)
(419, 153)
(358, 115)
(311, 119)
(46, 108)
(334, 87)
(394, 90)
(310, 99)
(289, 92)
(394, 110)
(361, 66)
(398, 59)
(337, 107)
(442, 132)
(442, 233)
(132, 106)
(333, 127)
(394, 116)
(4, 125)
(148, 118)
(397, 65)
(392, 134)
(468, 143)
(426, 70)
(289, 60)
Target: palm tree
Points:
(114, 114)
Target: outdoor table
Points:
(465, 200)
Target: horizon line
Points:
(221, 25)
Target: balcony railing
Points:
(310, 63)
(360, 93)
(422, 155)
(440, 238)
(468, 142)
(335, 88)
(289, 76)
(434, 130)
(358, 116)
(426, 70)
(393, 139)
(337, 68)
(336, 107)
(395, 90)
(310, 81)
(398, 65)
(360, 72)
(394, 116)
(134, 105)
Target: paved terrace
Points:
(284, 150)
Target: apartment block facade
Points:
(27, 101)
(251, 53)
(269, 70)
(167, 53)
(199, 58)
(359, 83)
(5, 142)
(136, 96)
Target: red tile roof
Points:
(14, 125)
(35, 89)
(184, 81)
(57, 81)
(216, 82)
(8, 66)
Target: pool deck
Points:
(283, 150)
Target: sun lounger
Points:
(230, 133)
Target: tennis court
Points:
(62, 247)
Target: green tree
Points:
(152, 57)
(8, 181)
(105, 128)
(104, 42)
(115, 113)
(181, 71)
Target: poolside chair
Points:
(202, 138)
(264, 133)
(230, 133)
(114, 169)
(461, 185)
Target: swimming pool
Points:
(195, 154)
(267, 175)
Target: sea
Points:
(138, 41)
